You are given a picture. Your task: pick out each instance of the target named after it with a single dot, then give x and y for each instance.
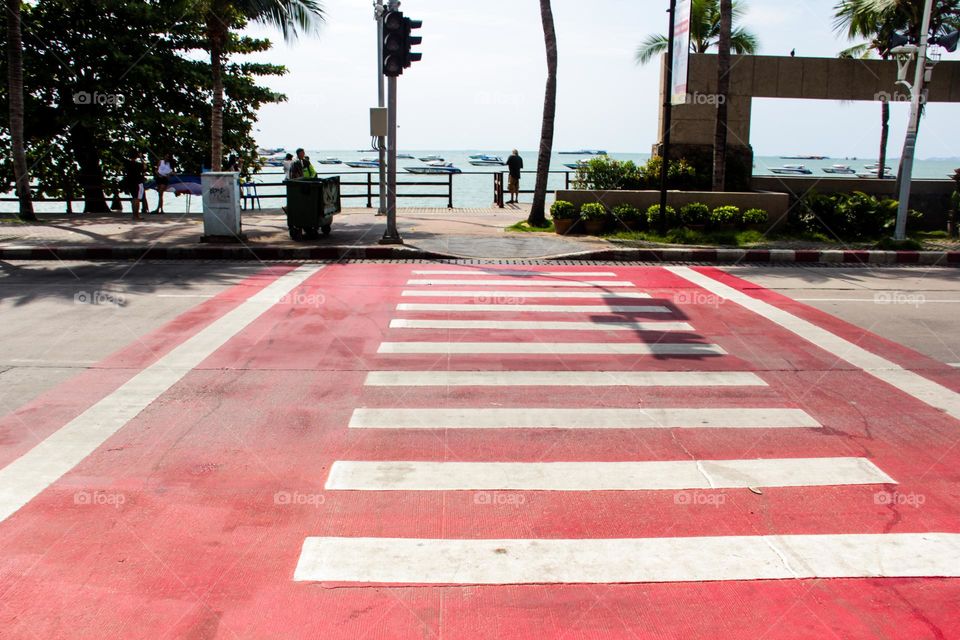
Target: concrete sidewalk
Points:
(428, 234)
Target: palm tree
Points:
(291, 17)
(538, 217)
(877, 20)
(723, 90)
(15, 87)
(704, 32)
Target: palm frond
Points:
(653, 46)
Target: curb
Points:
(388, 252)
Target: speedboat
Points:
(364, 164)
(485, 161)
(875, 167)
(274, 160)
(792, 170)
(435, 168)
(577, 165)
(405, 156)
(330, 161)
(431, 159)
(585, 152)
(839, 168)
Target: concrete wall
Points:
(775, 204)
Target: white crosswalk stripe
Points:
(617, 560)
(521, 283)
(480, 294)
(563, 378)
(593, 418)
(541, 325)
(499, 272)
(554, 348)
(534, 308)
(602, 476)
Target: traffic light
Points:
(411, 41)
(394, 43)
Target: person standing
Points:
(287, 166)
(514, 164)
(165, 170)
(134, 177)
(296, 169)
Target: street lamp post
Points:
(667, 118)
(910, 142)
(378, 11)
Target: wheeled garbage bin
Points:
(311, 205)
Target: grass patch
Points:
(12, 221)
(524, 227)
(889, 244)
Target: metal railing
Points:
(368, 183)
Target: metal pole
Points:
(378, 8)
(391, 235)
(667, 118)
(910, 142)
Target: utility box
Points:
(221, 207)
(378, 122)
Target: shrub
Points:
(681, 174)
(848, 216)
(755, 217)
(695, 213)
(728, 215)
(627, 212)
(563, 210)
(593, 211)
(603, 173)
(655, 217)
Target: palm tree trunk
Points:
(15, 89)
(218, 36)
(538, 217)
(884, 134)
(723, 91)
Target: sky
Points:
(480, 84)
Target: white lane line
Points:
(553, 348)
(886, 302)
(534, 308)
(348, 475)
(563, 379)
(521, 283)
(551, 418)
(495, 272)
(539, 325)
(24, 478)
(923, 389)
(955, 364)
(524, 295)
(689, 559)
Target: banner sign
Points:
(681, 52)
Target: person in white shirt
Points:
(287, 163)
(164, 172)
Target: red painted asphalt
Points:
(192, 538)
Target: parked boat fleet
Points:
(869, 170)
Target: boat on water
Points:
(273, 160)
(435, 168)
(267, 151)
(431, 159)
(486, 161)
(330, 161)
(791, 170)
(405, 156)
(577, 165)
(584, 152)
(875, 167)
(840, 168)
(364, 164)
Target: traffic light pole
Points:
(392, 235)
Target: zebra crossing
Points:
(498, 298)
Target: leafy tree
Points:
(89, 103)
(704, 32)
(291, 17)
(538, 217)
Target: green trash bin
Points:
(311, 205)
